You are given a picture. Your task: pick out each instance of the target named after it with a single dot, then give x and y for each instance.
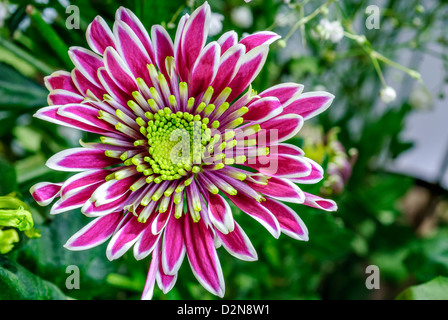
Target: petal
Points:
(228, 67)
(202, 256)
(147, 240)
(314, 201)
(80, 159)
(85, 114)
(94, 233)
(286, 148)
(220, 214)
(283, 92)
(178, 57)
(205, 69)
(128, 17)
(258, 212)
(50, 114)
(281, 189)
(259, 39)
(119, 71)
(163, 46)
(263, 109)
(161, 220)
(278, 129)
(165, 282)
(124, 238)
(91, 210)
(173, 246)
(228, 40)
(112, 190)
(74, 200)
(316, 174)
(84, 85)
(61, 96)
(99, 36)
(45, 192)
(195, 35)
(60, 80)
(132, 51)
(83, 179)
(309, 104)
(280, 165)
(251, 66)
(237, 243)
(290, 223)
(87, 62)
(148, 290)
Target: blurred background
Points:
(383, 144)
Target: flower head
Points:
(181, 134)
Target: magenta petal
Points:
(132, 51)
(99, 36)
(286, 148)
(74, 200)
(281, 189)
(316, 174)
(205, 69)
(148, 290)
(60, 80)
(178, 56)
(112, 190)
(202, 256)
(80, 159)
(220, 213)
(258, 39)
(228, 40)
(45, 192)
(263, 109)
(84, 85)
(237, 243)
(91, 210)
(163, 46)
(251, 66)
(125, 238)
(280, 165)
(94, 233)
(50, 114)
(290, 223)
(283, 92)
(228, 66)
(161, 220)
(279, 128)
(119, 71)
(61, 96)
(258, 212)
(113, 89)
(165, 281)
(83, 179)
(309, 104)
(173, 247)
(87, 62)
(128, 17)
(85, 114)
(147, 240)
(195, 35)
(314, 201)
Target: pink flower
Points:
(174, 119)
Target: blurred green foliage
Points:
(372, 226)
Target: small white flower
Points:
(330, 30)
(242, 17)
(388, 94)
(215, 24)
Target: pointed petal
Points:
(85, 114)
(205, 69)
(280, 165)
(173, 246)
(60, 80)
(83, 179)
(202, 256)
(258, 212)
(263, 109)
(119, 71)
(220, 213)
(45, 192)
(74, 200)
(314, 201)
(280, 128)
(228, 40)
(87, 62)
(99, 36)
(283, 92)
(316, 174)
(80, 159)
(309, 104)
(164, 281)
(147, 241)
(95, 233)
(61, 96)
(163, 46)
(148, 290)
(290, 223)
(259, 39)
(124, 238)
(237, 243)
(281, 189)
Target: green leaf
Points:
(436, 289)
(8, 182)
(17, 283)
